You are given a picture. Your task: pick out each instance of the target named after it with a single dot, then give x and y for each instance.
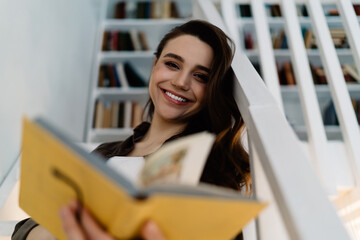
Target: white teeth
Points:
(180, 99)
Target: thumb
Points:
(150, 231)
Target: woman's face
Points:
(179, 78)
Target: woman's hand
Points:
(89, 229)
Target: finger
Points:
(150, 231)
(92, 229)
(70, 225)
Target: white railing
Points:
(283, 173)
(293, 182)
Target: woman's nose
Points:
(182, 81)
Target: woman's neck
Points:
(161, 130)
(156, 135)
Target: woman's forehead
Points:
(189, 48)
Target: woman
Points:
(191, 90)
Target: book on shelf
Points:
(357, 9)
(248, 41)
(102, 80)
(351, 71)
(113, 76)
(117, 114)
(131, 40)
(332, 12)
(121, 74)
(167, 190)
(108, 77)
(127, 114)
(301, 10)
(274, 10)
(133, 77)
(174, 11)
(338, 37)
(146, 9)
(115, 108)
(103, 115)
(107, 115)
(143, 41)
(135, 39)
(104, 42)
(279, 39)
(99, 114)
(245, 10)
(308, 38)
(330, 117)
(288, 73)
(136, 115)
(120, 10)
(120, 123)
(156, 10)
(318, 74)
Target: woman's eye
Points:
(201, 77)
(172, 65)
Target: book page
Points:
(180, 161)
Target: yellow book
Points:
(55, 170)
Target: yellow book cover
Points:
(55, 170)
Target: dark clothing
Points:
(123, 148)
(23, 228)
(107, 150)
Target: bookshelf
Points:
(124, 53)
(245, 26)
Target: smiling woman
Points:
(191, 90)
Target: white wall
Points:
(46, 52)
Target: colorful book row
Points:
(132, 40)
(114, 114)
(274, 10)
(330, 117)
(279, 40)
(287, 77)
(120, 75)
(146, 9)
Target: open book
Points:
(55, 170)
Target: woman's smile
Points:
(175, 98)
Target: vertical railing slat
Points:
(340, 95)
(307, 93)
(352, 29)
(266, 52)
(262, 190)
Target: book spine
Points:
(114, 114)
(135, 39)
(137, 112)
(122, 76)
(134, 79)
(127, 114)
(99, 114)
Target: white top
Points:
(129, 167)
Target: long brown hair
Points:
(228, 162)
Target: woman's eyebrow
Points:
(177, 57)
(173, 55)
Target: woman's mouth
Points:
(175, 97)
